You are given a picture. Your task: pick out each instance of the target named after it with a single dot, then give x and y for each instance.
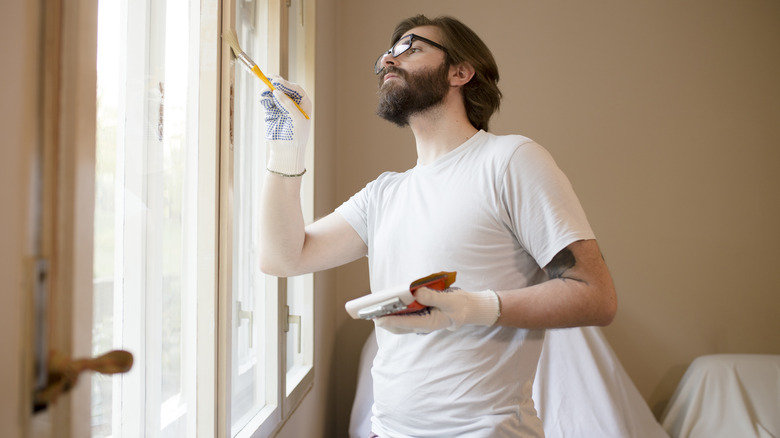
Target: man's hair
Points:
(481, 95)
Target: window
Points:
(179, 166)
(271, 340)
(147, 233)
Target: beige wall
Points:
(666, 117)
(18, 98)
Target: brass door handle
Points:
(63, 373)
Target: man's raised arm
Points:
(287, 247)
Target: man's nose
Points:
(387, 60)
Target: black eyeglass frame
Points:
(378, 67)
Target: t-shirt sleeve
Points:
(542, 209)
(355, 212)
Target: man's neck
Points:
(440, 130)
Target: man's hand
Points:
(449, 309)
(286, 128)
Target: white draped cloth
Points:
(581, 390)
(727, 395)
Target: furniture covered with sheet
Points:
(727, 395)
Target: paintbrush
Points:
(231, 38)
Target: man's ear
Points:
(461, 74)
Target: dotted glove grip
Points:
(286, 128)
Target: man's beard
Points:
(423, 90)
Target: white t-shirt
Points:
(494, 210)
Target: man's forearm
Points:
(579, 292)
(555, 304)
(281, 225)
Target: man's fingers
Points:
(426, 296)
(435, 298)
(404, 324)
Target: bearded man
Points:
(495, 209)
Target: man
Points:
(495, 209)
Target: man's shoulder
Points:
(390, 176)
(386, 179)
(505, 144)
(504, 147)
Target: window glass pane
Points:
(145, 218)
(294, 33)
(176, 217)
(105, 210)
(253, 338)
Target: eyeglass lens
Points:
(402, 45)
(398, 48)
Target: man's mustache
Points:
(395, 70)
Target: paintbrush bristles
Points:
(231, 38)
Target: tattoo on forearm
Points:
(562, 262)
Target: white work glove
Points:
(286, 128)
(449, 309)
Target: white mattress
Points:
(581, 390)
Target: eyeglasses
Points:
(402, 46)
